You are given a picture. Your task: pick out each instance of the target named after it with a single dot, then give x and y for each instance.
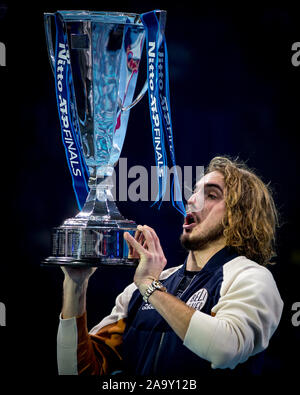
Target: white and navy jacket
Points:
(237, 309)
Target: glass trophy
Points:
(101, 52)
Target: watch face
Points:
(158, 285)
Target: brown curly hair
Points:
(251, 216)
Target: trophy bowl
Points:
(97, 56)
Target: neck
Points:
(198, 259)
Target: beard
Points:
(201, 241)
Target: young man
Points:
(215, 311)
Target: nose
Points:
(195, 202)
(190, 206)
(191, 199)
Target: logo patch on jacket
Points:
(147, 306)
(198, 300)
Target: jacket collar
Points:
(221, 257)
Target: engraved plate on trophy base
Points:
(92, 246)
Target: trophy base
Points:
(91, 246)
(89, 262)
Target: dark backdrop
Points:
(233, 91)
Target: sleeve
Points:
(242, 322)
(96, 352)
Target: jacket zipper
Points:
(163, 335)
(188, 286)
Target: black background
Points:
(233, 91)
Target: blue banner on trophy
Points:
(95, 59)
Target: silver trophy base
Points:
(91, 246)
(95, 236)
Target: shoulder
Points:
(168, 272)
(243, 271)
(242, 266)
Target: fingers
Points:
(145, 239)
(147, 233)
(132, 252)
(153, 237)
(134, 244)
(139, 236)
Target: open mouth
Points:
(189, 221)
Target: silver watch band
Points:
(155, 285)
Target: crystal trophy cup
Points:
(103, 53)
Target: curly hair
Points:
(251, 216)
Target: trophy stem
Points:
(100, 204)
(100, 207)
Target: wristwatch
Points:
(155, 285)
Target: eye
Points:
(211, 196)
